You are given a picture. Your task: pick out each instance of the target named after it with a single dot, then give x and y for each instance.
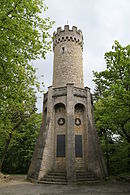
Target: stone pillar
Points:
(70, 135)
(48, 155)
(95, 157)
(36, 160)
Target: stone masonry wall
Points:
(68, 62)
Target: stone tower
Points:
(68, 62)
(67, 141)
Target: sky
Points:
(101, 21)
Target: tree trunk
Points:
(5, 150)
(107, 158)
(128, 163)
(124, 130)
(9, 139)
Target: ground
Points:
(19, 186)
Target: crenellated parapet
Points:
(67, 34)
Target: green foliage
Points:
(22, 145)
(113, 91)
(116, 151)
(24, 37)
(112, 107)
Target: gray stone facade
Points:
(68, 61)
(67, 115)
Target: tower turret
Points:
(68, 61)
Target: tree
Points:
(112, 105)
(21, 147)
(24, 37)
(113, 90)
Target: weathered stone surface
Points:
(67, 112)
(95, 157)
(68, 62)
(70, 141)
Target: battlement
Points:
(67, 34)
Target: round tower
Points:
(68, 61)
(67, 148)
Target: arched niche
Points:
(60, 134)
(79, 111)
(60, 118)
(79, 107)
(59, 107)
(79, 117)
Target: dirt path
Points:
(19, 186)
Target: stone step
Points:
(86, 179)
(60, 177)
(53, 179)
(83, 171)
(85, 175)
(57, 173)
(53, 182)
(88, 182)
(55, 176)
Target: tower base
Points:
(67, 149)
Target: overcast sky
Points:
(101, 21)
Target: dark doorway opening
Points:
(78, 146)
(60, 152)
